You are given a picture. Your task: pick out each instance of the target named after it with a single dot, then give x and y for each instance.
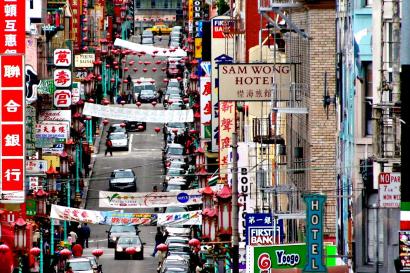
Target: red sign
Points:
(222, 28)
(12, 71)
(12, 175)
(12, 139)
(12, 26)
(12, 105)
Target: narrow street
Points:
(144, 157)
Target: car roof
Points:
(122, 170)
(78, 260)
(176, 183)
(175, 145)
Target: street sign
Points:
(389, 190)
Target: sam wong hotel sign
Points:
(253, 82)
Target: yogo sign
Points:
(277, 257)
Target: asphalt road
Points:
(144, 157)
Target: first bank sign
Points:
(314, 233)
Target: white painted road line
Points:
(130, 143)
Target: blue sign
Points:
(183, 197)
(314, 232)
(263, 229)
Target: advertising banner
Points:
(180, 218)
(254, 82)
(227, 123)
(389, 190)
(263, 229)
(120, 113)
(127, 219)
(404, 251)
(84, 60)
(53, 129)
(108, 199)
(36, 166)
(206, 107)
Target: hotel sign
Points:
(253, 82)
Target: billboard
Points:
(253, 81)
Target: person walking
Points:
(74, 236)
(129, 80)
(85, 234)
(159, 239)
(108, 146)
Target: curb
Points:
(92, 162)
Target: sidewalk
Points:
(93, 158)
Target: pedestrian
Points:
(129, 97)
(129, 80)
(74, 236)
(85, 234)
(108, 146)
(165, 236)
(159, 239)
(160, 94)
(155, 189)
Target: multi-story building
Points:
(368, 132)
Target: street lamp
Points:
(225, 211)
(64, 163)
(41, 196)
(20, 235)
(51, 178)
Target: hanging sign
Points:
(389, 190)
(180, 218)
(62, 57)
(128, 219)
(120, 113)
(76, 215)
(36, 166)
(84, 60)
(52, 129)
(227, 123)
(206, 107)
(55, 115)
(62, 77)
(262, 229)
(62, 98)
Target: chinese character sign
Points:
(12, 127)
(62, 98)
(12, 27)
(62, 77)
(226, 128)
(62, 57)
(206, 106)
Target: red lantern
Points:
(175, 130)
(225, 210)
(112, 80)
(138, 104)
(179, 78)
(97, 252)
(197, 115)
(186, 100)
(154, 103)
(125, 81)
(145, 70)
(163, 68)
(65, 253)
(130, 250)
(162, 247)
(154, 69)
(99, 78)
(35, 251)
(135, 69)
(105, 122)
(194, 242)
(166, 80)
(157, 129)
(4, 249)
(105, 101)
(193, 131)
(126, 68)
(91, 100)
(158, 62)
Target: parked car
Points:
(94, 263)
(163, 28)
(179, 249)
(175, 172)
(175, 262)
(147, 34)
(135, 126)
(177, 164)
(173, 150)
(175, 187)
(148, 95)
(174, 83)
(80, 265)
(172, 91)
(123, 179)
(169, 127)
(123, 242)
(147, 41)
(142, 84)
(116, 231)
(119, 140)
(176, 106)
(174, 44)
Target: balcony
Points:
(263, 131)
(292, 100)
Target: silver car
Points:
(119, 140)
(123, 179)
(80, 265)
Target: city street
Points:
(144, 157)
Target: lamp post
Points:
(41, 212)
(20, 239)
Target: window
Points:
(137, 4)
(368, 98)
(153, 4)
(374, 236)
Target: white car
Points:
(80, 265)
(119, 140)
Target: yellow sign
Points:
(190, 10)
(52, 160)
(198, 48)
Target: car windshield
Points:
(129, 241)
(139, 88)
(177, 164)
(147, 92)
(174, 171)
(81, 266)
(175, 97)
(122, 229)
(118, 136)
(147, 41)
(123, 174)
(93, 261)
(176, 125)
(171, 91)
(173, 84)
(117, 129)
(147, 33)
(178, 248)
(176, 151)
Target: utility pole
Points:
(235, 235)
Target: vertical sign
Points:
(389, 190)
(314, 233)
(226, 128)
(190, 16)
(404, 251)
(206, 107)
(12, 128)
(12, 27)
(62, 77)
